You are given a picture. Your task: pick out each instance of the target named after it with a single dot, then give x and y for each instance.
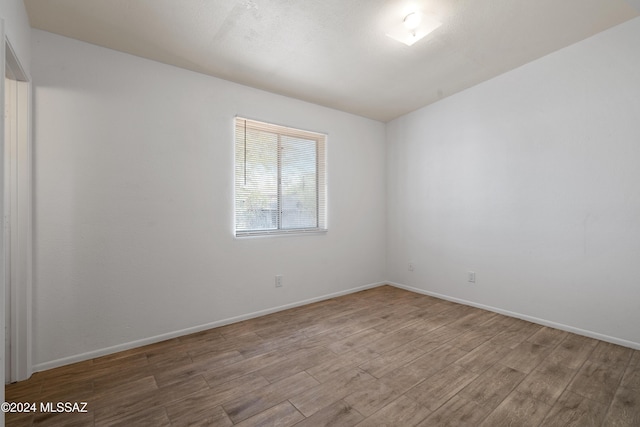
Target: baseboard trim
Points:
(563, 327)
(162, 337)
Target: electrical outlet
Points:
(278, 281)
(472, 277)
(411, 267)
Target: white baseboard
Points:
(152, 340)
(590, 334)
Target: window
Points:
(279, 179)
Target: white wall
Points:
(532, 181)
(134, 203)
(634, 3)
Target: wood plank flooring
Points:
(381, 357)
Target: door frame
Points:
(18, 223)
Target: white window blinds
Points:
(279, 179)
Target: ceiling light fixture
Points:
(413, 27)
(412, 20)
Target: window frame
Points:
(320, 139)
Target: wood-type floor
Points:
(381, 357)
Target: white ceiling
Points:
(335, 52)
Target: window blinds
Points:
(279, 179)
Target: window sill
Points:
(274, 233)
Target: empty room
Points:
(338, 212)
